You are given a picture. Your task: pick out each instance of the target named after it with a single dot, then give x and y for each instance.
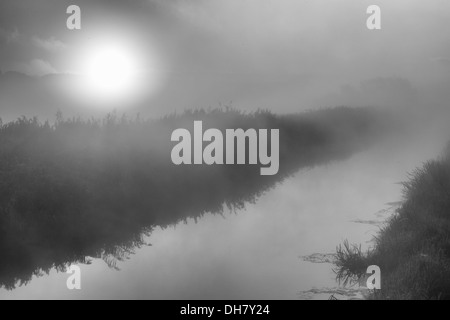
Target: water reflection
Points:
(95, 189)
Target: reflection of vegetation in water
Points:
(413, 249)
(333, 294)
(320, 258)
(96, 188)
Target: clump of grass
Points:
(413, 249)
(350, 263)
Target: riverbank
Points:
(413, 248)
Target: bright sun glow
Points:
(110, 72)
(115, 73)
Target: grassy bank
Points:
(413, 249)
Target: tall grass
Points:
(413, 249)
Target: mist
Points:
(87, 178)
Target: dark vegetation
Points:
(75, 189)
(413, 249)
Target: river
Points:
(256, 253)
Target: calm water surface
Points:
(256, 253)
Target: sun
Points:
(115, 72)
(110, 71)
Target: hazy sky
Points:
(285, 55)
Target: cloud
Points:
(51, 44)
(35, 67)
